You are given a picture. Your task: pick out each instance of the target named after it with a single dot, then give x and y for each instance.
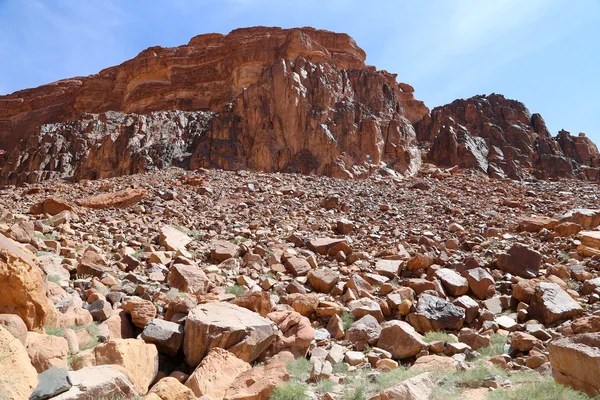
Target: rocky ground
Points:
(243, 285)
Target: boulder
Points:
(244, 333)
(100, 382)
(586, 218)
(304, 303)
(52, 382)
(551, 304)
(575, 362)
(536, 224)
(141, 311)
(322, 280)
(188, 279)
(258, 383)
(433, 363)
(400, 339)
(294, 335)
(324, 245)
(520, 260)
(18, 378)
(364, 332)
(419, 387)
(216, 373)
(166, 335)
(222, 250)
(173, 239)
(51, 206)
(22, 289)
(119, 199)
(454, 284)
(170, 388)
(435, 314)
(46, 351)
(136, 359)
(479, 281)
(257, 301)
(15, 325)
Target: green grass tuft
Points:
(290, 391)
(235, 290)
(548, 389)
(347, 320)
(299, 369)
(55, 331)
(439, 337)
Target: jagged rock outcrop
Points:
(581, 150)
(269, 99)
(501, 138)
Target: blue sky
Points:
(545, 53)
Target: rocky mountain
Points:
(500, 137)
(273, 100)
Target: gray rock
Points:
(51, 382)
(166, 335)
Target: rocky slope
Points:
(500, 137)
(242, 285)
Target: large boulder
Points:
(479, 281)
(294, 335)
(52, 382)
(551, 304)
(22, 289)
(18, 378)
(575, 362)
(258, 383)
(170, 388)
(141, 311)
(173, 239)
(400, 339)
(434, 314)
(454, 284)
(46, 351)
(166, 335)
(99, 382)
(239, 330)
(51, 206)
(520, 260)
(15, 325)
(188, 278)
(419, 387)
(136, 359)
(216, 373)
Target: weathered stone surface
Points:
(15, 325)
(188, 278)
(244, 333)
(216, 373)
(172, 238)
(99, 382)
(294, 335)
(258, 383)
(419, 387)
(138, 360)
(576, 362)
(455, 284)
(434, 314)
(141, 311)
(22, 287)
(52, 206)
(257, 301)
(170, 388)
(222, 250)
(323, 280)
(551, 304)
(479, 281)
(18, 378)
(364, 332)
(166, 335)
(52, 382)
(400, 339)
(46, 351)
(520, 260)
(120, 199)
(586, 218)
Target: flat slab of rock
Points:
(244, 333)
(576, 362)
(323, 245)
(585, 217)
(590, 238)
(400, 339)
(222, 250)
(101, 382)
(52, 382)
(120, 199)
(419, 387)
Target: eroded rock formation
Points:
(500, 137)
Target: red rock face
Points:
(500, 137)
(209, 71)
